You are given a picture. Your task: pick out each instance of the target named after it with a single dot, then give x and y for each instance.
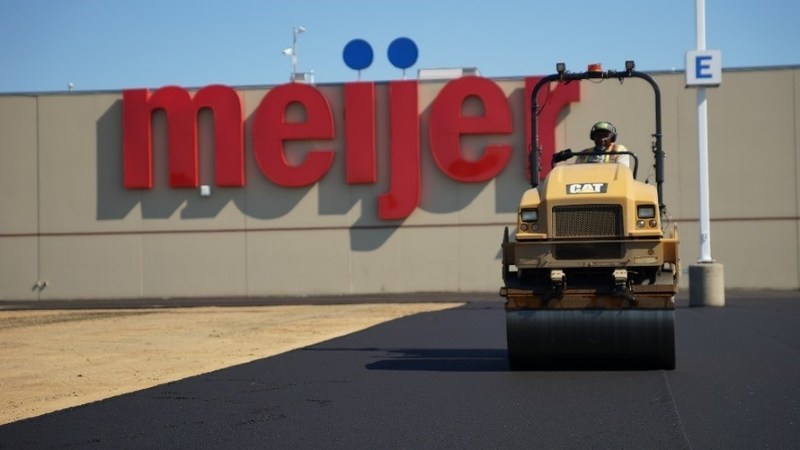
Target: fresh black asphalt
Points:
(440, 380)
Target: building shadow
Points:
(113, 201)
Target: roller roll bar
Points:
(562, 77)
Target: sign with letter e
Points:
(703, 68)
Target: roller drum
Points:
(555, 339)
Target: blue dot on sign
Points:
(357, 54)
(403, 53)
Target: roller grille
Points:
(594, 250)
(587, 221)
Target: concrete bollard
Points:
(706, 285)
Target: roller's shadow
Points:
(430, 359)
(485, 360)
(442, 360)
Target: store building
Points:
(361, 188)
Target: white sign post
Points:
(704, 68)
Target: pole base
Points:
(706, 285)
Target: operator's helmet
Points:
(608, 126)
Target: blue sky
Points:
(113, 45)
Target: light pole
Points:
(706, 278)
(292, 51)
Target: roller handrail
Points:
(566, 77)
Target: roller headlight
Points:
(529, 215)
(646, 211)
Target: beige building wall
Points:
(68, 230)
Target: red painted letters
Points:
(270, 130)
(447, 125)
(273, 126)
(359, 132)
(181, 111)
(403, 196)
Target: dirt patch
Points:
(51, 360)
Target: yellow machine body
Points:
(591, 270)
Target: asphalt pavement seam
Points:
(675, 408)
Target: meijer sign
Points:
(271, 131)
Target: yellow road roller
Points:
(591, 270)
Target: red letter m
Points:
(181, 112)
